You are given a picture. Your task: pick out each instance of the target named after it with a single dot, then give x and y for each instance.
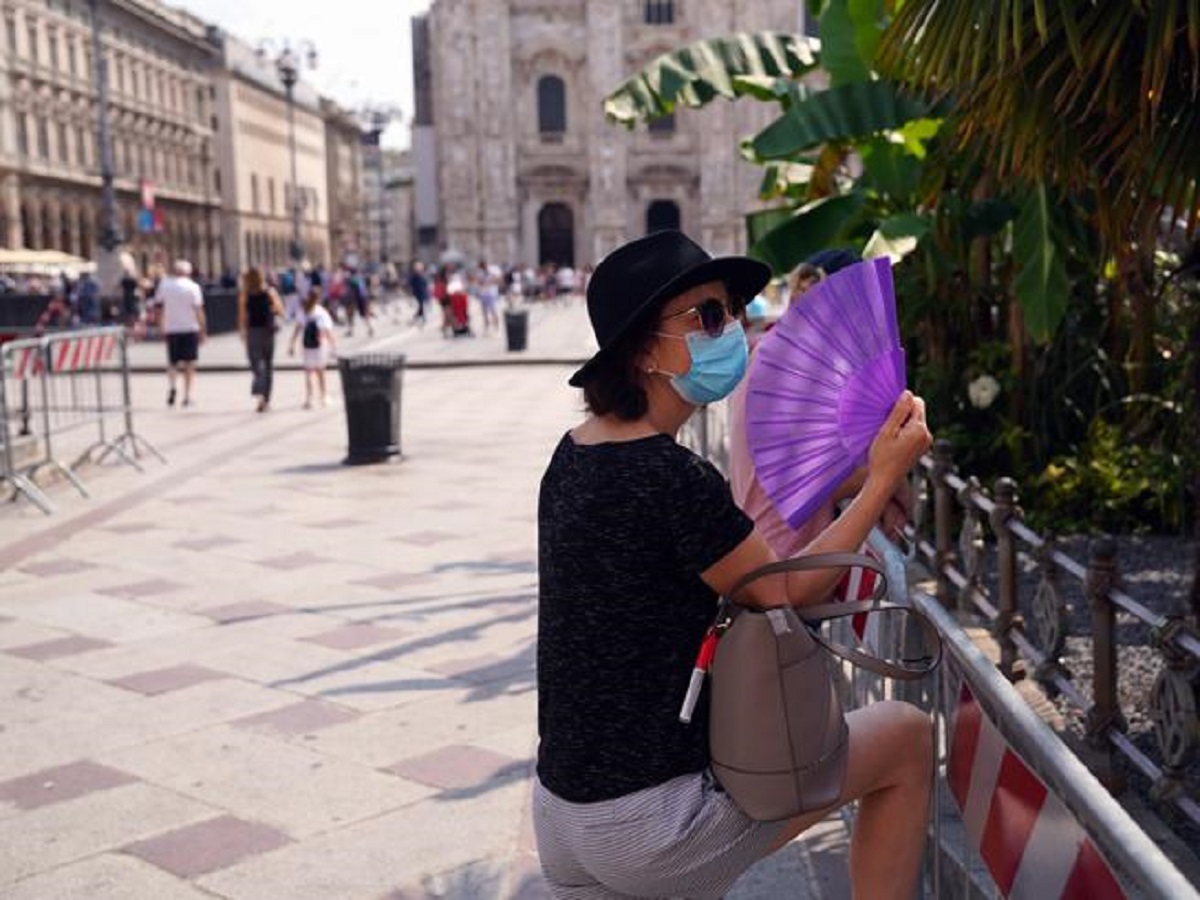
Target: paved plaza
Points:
(254, 672)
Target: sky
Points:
(364, 51)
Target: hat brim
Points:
(744, 276)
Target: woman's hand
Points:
(900, 442)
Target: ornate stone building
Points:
(254, 162)
(527, 168)
(160, 110)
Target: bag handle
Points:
(822, 612)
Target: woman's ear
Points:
(646, 362)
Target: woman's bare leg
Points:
(889, 768)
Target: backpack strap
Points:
(905, 670)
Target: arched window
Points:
(552, 105)
(662, 215)
(663, 125)
(26, 227)
(48, 221)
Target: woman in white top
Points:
(315, 331)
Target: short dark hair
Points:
(614, 386)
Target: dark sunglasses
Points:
(713, 314)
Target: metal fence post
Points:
(1008, 616)
(943, 516)
(1105, 712)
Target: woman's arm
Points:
(241, 313)
(276, 304)
(897, 447)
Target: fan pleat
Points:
(823, 381)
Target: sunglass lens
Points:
(712, 317)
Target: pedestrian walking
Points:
(637, 539)
(181, 303)
(87, 300)
(315, 332)
(489, 297)
(418, 285)
(259, 311)
(358, 300)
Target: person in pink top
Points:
(753, 500)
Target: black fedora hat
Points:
(639, 277)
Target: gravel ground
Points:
(1157, 572)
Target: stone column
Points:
(607, 158)
(497, 160)
(719, 205)
(459, 48)
(10, 196)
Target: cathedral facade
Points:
(527, 170)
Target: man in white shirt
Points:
(183, 325)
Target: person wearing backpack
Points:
(315, 332)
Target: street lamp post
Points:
(107, 264)
(288, 63)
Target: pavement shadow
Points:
(515, 771)
(492, 678)
(489, 567)
(322, 468)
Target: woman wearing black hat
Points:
(637, 539)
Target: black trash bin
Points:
(371, 387)
(516, 328)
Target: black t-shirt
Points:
(624, 529)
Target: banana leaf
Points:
(844, 113)
(1041, 283)
(783, 239)
(728, 67)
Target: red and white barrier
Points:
(1031, 843)
(81, 354)
(25, 362)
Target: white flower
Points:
(983, 391)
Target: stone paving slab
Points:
(311, 679)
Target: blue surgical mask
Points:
(718, 364)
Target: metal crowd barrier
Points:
(1015, 813)
(61, 392)
(961, 569)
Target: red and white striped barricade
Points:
(1032, 845)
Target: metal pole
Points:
(1105, 712)
(383, 254)
(943, 513)
(289, 83)
(1006, 572)
(110, 237)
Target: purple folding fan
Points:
(821, 384)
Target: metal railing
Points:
(65, 392)
(960, 569)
